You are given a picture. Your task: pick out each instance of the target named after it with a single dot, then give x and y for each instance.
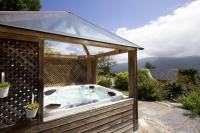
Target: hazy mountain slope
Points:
(164, 62)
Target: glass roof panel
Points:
(61, 48)
(63, 23)
(97, 50)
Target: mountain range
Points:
(163, 63)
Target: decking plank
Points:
(118, 126)
(96, 122)
(109, 124)
(82, 115)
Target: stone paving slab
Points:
(165, 117)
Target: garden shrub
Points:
(148, 88)
(192, 102)
(188, 75)
(149, 91)
(188, 78)
(173, 90)
(105, 81)
(121, 81)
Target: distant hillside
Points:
(164, 63)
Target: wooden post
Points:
(95, 70)
(89, 71)
(132, 75)
(92, 71)
(40, 80)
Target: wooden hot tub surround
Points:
(28, 70)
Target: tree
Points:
(20, 5)
(105, 64)
(148, 65)
(49, 50)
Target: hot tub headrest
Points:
(49, 92)
(110, 93)
(91, 87)
(52, 106)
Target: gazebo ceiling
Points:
(61, 23)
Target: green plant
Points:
(104, 65)
(4, 85)
(173, 90)
(49, 50)
(190, 73)
(188, 78)
(192, 102)
(149, 92)
(121, 81)
(148, 65)
(105, 81)
(20, 5)
(148, 88)
(32, 106)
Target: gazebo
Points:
(22, 40)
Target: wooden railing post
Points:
(132, 76)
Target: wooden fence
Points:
(62, 72)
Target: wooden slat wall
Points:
(111, 117)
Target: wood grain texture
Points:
(110, 117)
(110, 53)
(132, 83)
(86, 50)
(92, 71)
(94, 121)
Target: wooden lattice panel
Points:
(19, 60)
(61, 72)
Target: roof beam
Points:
(67, 57)
(63, 38)
(114, 52)
(86, 50)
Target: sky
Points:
(165, 28)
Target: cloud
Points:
(174, 35)
(65, 48)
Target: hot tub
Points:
(77, 96)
